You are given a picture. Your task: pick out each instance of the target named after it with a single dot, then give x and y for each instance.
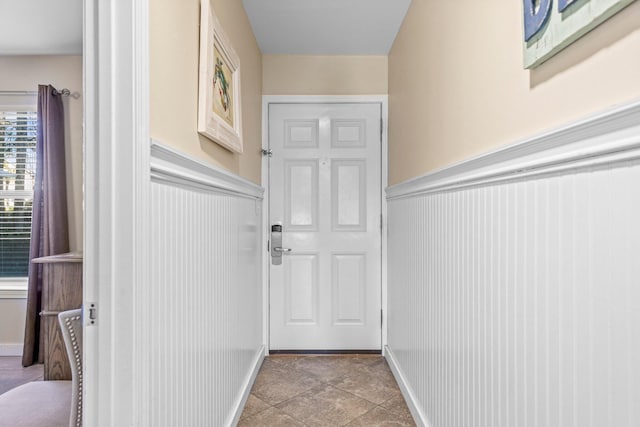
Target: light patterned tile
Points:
(326, 368)
(325, 406)
(368, 359)
(375, 389)
(397, 405)
(280, 360)
(378, 369)
(254, 406)
(326, 390)
(271, 417)
(380, 417)
(275, 384)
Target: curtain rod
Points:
(63, 92)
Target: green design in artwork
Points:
(224, 85)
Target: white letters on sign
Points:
(551, 25)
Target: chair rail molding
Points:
(609, 137)
(513, 281)
(172, 166)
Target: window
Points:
(17, 176)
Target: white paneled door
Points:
(324, 189)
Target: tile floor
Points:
(330, 390)
(12, 374)
(298, 391)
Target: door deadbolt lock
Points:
(276, 244)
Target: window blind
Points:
(17, 176)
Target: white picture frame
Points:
(219, 95)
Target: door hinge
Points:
(93, 313)
(267, 152)
(381, 222)
(268, 246)
(381, 317)
(381, 126)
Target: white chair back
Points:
(71, 325)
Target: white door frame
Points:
(116, 193)
(319, 99)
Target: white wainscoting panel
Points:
(514, 282)
(205, 306)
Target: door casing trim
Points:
(383, 100)
(116, 209)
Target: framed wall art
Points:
(551, 25)
(219, 103)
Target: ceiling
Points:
(311, 27)
(326, 27)
(41, 27)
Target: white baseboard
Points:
(418, 416)
(13, 288)
(11, 349)
(248, 384)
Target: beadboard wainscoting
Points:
(514, 282)
(205, 342)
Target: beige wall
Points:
(324, 75)
(174, 45)
(457, 87)
(12, 316)
(24, 73)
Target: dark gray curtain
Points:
(49, 225)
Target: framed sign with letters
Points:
(551, 25)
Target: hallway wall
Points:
(457, 86)
(512, 296)
(205, 305)
(174, 63)
(513, 293)
(324, 75)
(13, 312)
(203, 338)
